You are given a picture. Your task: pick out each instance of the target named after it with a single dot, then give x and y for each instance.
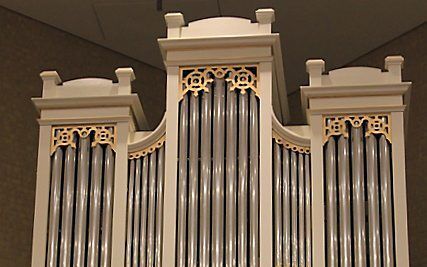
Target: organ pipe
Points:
(205, 182)
(242, 217)
(253, 182)
(193, 182)
(331, 204)
(231, 181)
(54, 209)
(345, 238)
(358, 197)
(373, 201)
(82, 201)
(182, 185)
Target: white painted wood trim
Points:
(120, 196)
(148, 140)
(265, 176)
(399, 187)
(41, 210)
(317, 191)
(171, 157)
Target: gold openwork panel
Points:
(335, 125)
(149, 149)
(199, 78)
(290, 145)
(67, 135)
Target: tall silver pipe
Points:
(386, 203)
(373, 201)
(205, 182)
(231, 182)
(159, 207)
(54, 209)
(242, 196)
(294, 209)
(218, 174)
(307, 210)
(67, 207)
(193, 183)
(81, 201)
(277, 205)
(144, 213)
(182, 184)
(286, 219)
(344, 201)
(358, 197)
(95, 206)
(151, 209)
(253, 182)
(331, 204)
(130, 213)
(137, 212)
(301, 210)
(107, 211)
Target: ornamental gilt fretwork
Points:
(149, 149)
(67, 135)
(238, 77)
(290, 145)
(375, 124)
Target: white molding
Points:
(290, 134)
(59, 103)
(149, 139)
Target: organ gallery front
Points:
(223, 180)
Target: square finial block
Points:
(50, 76)
(174, 20)
(123, 73)
(315, 67)
(393, 61)
(265, 16)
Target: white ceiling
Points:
(335, 30)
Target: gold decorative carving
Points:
(149, 149)
(335, 125)
(239, 77)
(289, 145)
(67, 135)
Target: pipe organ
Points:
(223, 180)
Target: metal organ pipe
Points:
(143, 221)
(182, 184)
(151, 215)
(218, 174)
(253, 182)
(95, 206)
(130, 212)
(307, 210)
(331, 204)
(54, 208)
(301, 212)
(159, 207)
(294, 209)
(67, 207)
(231, 181)
(193, 182)
(373, 201)
(205, 182)
(344, 201)
(386, 203)
(82, 200)
(358, 197)
(286, 208)
(242, 225)
(277, 205)
(137, 212)
(107, 207)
